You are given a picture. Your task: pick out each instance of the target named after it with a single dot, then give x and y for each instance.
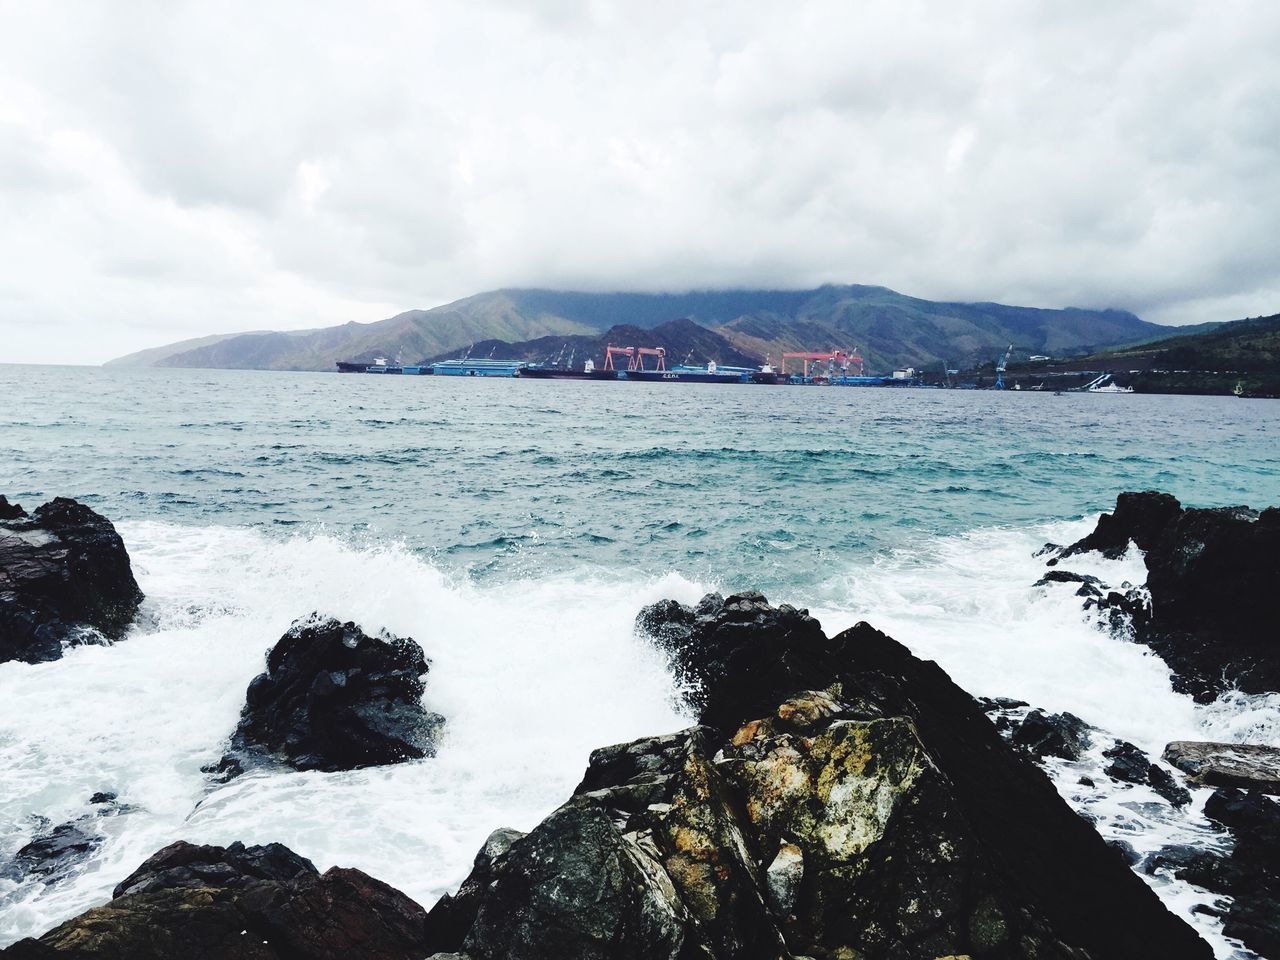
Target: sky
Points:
(170, 170)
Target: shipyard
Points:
(835, 368)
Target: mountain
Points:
(153, 356)
(1244, 352)
(682, 339)
(889, 328)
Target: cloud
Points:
(171, 170)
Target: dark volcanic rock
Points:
(741, 637)
(1251, 874)
(55, 854)
(1214, 583)
(1130, 764)
(190, 865)
(868, 810)
(190, 902)
(1140, 517)
(1090, 586)
(64, 578)
(1245, 765)
(334, 698)
(1052, 735)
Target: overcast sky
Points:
(169, 170)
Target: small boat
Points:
(1111, 387)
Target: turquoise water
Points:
(500, 479)
(514, 529)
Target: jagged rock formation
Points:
(1250, 874)
(1214, 585)
(842, 799)
(65, 578)
(192, 902)
(334, 698)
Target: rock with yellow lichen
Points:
(811, 832)
(841, 801)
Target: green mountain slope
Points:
(1243, 352)
(889, 328)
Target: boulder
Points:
(1052, 735)
(868, 809)
(1213, 577)
(65, 578)
(192, 902)
(1249, 766)
(334, 698)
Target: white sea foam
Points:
(531, 674)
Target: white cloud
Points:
(170, 170)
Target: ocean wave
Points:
(533, 670)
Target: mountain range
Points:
(889, 329)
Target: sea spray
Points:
(531, 677)
(532, 674)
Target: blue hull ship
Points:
(479, 368)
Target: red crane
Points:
(609, 352)
(637, 361)
(833, 357)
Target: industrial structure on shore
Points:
(649, 365)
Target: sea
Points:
(514, 529)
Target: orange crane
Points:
(833, 357)
(637, 360)
(611, 350)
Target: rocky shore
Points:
(1212, 597)
(838, 798)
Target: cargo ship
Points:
(685, 373)
(381, 365)
(542, 371)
